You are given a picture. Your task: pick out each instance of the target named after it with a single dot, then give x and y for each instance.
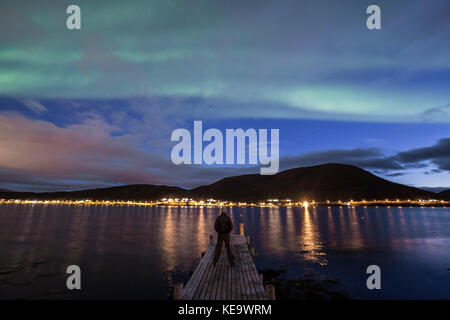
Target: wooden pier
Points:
(225, 282)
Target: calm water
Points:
(136, 252)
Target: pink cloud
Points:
(84, 151)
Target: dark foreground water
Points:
(137, 252)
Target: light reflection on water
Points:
(309, 242)
(136, 252)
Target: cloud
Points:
(34, 105)
(437, 154)
(374, 159)
(87, 151)
(440, 113)
(369, 158)
(395, 174)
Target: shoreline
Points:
(220, 204)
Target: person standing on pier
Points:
(223, 226)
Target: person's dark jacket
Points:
(223, 224)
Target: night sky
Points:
(96, 107)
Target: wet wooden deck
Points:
(226, 282)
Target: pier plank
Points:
(196, 277)
(224, 282)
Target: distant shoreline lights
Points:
(188, 202)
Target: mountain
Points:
(134, 192)
(5, 190)
(434, 189)
(322, 182)
(444, 195)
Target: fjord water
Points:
(127, 252)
